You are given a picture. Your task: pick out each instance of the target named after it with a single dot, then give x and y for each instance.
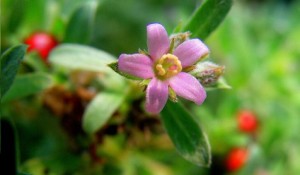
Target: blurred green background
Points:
(258, 42)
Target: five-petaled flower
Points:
(165, 68)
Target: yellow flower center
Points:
(167, 66)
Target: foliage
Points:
(186, 134)
(10, 61)
(207, 18)
(91, 120)
(105, 104)
(24, 86)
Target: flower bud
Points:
(178, 38)
(207, 73)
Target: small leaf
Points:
(100, 110)
(81, 24)
(186, 134)
(28, 84)
(207, 18)
(114, 67)
(81, 57)
(10, 61)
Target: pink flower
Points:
(166, 70)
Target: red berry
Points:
(236, 159)
(41, 42)
(247, 121)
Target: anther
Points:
(161, 70)
(167, 66)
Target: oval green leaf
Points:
(100, 110)
(10, 61)
(75, 56)
(28, 84)
(79, 57)
(186, 134)
(207, 18)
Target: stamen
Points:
(161, 70)
(167, 66)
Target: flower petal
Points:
(157, 40)
(188, 87)
(138, 65)
(190, 51)
(156, 96)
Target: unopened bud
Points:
(207, 73)
(178, 38)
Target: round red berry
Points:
(236, 159)
(42, 43)
(247, 121)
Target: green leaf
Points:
(100, 110)
(28, 84)
(10, 61)
(80, 26)
(81, 57)
(186, 134)
(207, 18)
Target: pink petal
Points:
(190, 51)
(157, 40)
(156, 96)
(138, 65)
(188, 87)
